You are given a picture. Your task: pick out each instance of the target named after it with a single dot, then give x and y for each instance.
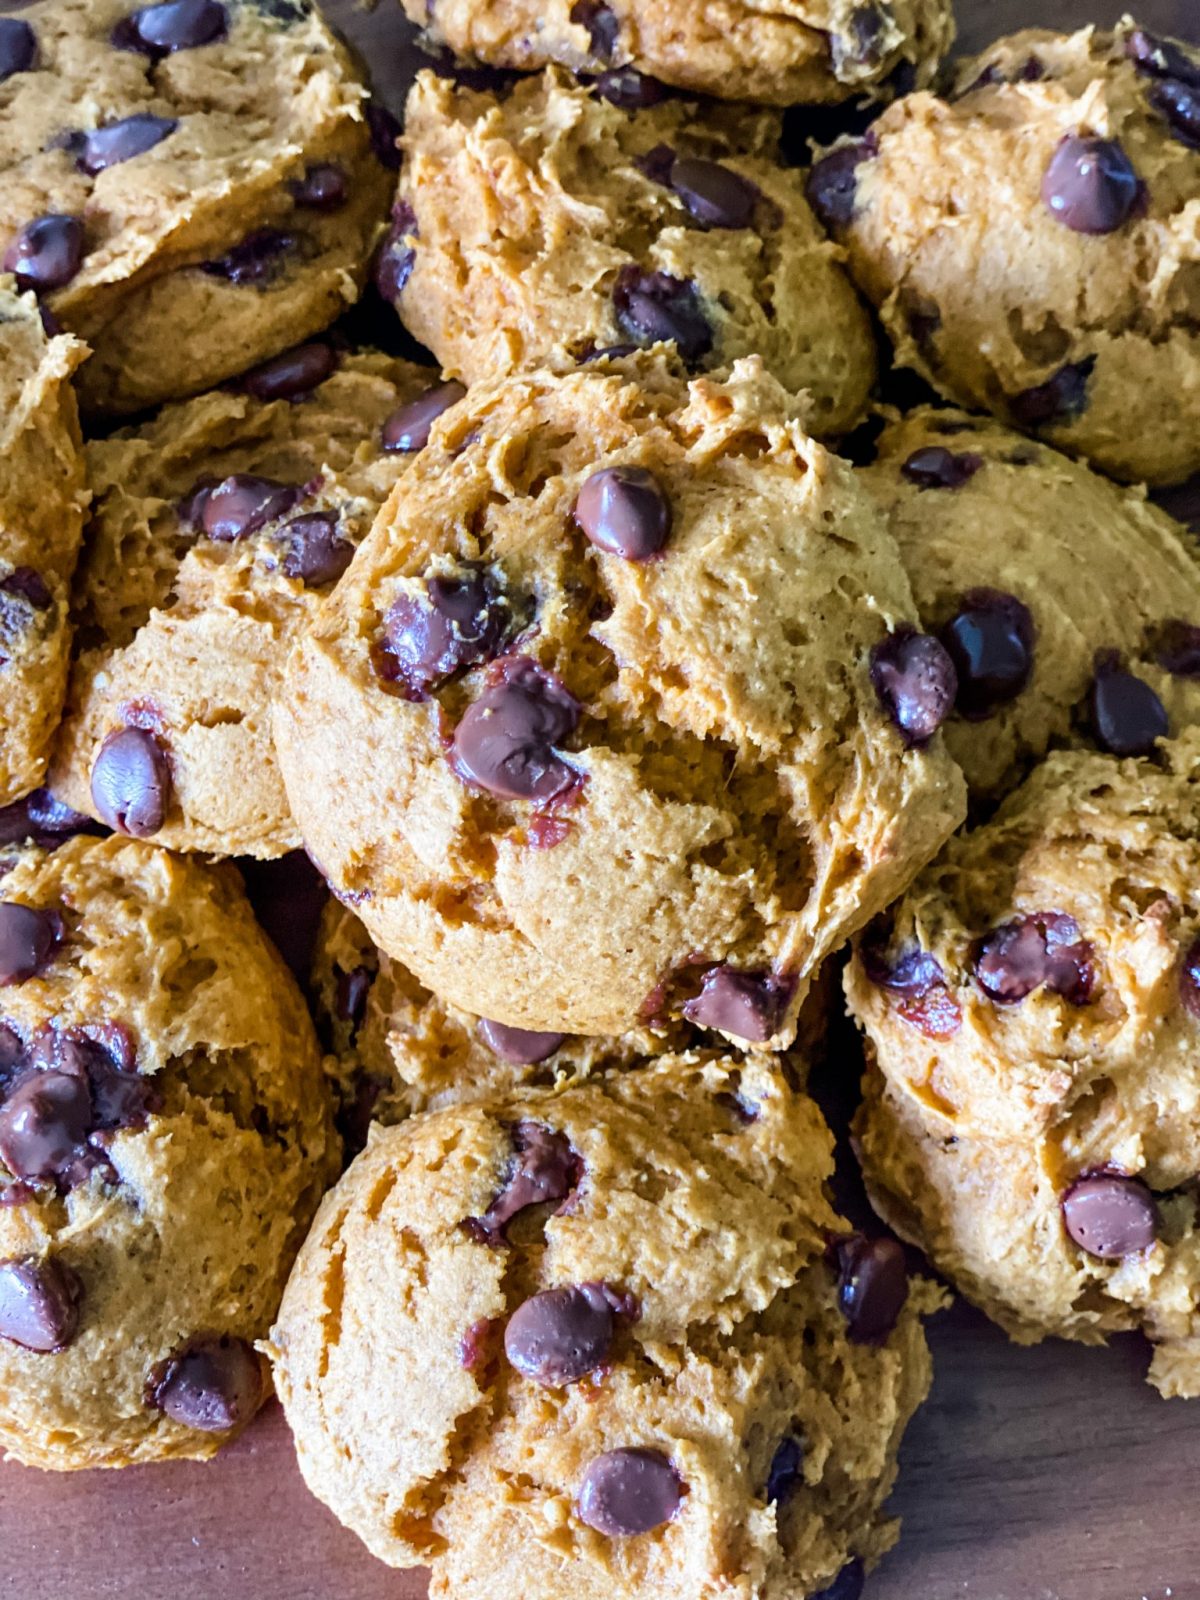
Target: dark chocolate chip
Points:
(46, 253)
(350, 1002)
(43, 819)
(544, 1169)
(1090, 185)
(506, 739)
(39, 1303)
(654, 307)
(1060, 399)
(1180, 105)
(256, 259)
(314, 551)
(861, 46)
(175, 25)
(848, 1585)
(872, 1286)
(1189, 980)
(935, 467)
(409, 428)
(458, 622)
(44, 1125)
(1127, 716)
(1110, 1215)
(561, 1335)
(292, 375)
(626, 1492)
(1041, 950)
(832, 186)
(242, 504)
(602, 26)
(519, 1045)
(30, 585)
(1181, 501)
(323, 187)
(917, 981)
(628, 89)
(18, 47)
(131, 783)
(624, 512)
(1177, 648)
(1162, 58)
(916, 683)
(713, 195)
(27, 941)
(748, 1005)
(121, 141)
(212, 1385)
(385, 132)
(787, 1470)
(395, 257)
(990, 640)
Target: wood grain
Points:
(1045, 1474)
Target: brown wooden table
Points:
(1046, 1474)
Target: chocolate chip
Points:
(131, 783)
(602, 26)
(713, 195)
(519, 1045)
(1189, 980)
(990, 640)
(506, 739)
(314, 552)
(350, 1001)
(1041, 950)
(561, 1335)
(787, 1470)
(1061, 398)
(255, 260)
(544, 1169)
(624, 512)
(1181, 501)
(41, 818)
(121, 141)
(832, 186)
(322, 188)
(1177, 648)
(212, 1385)
(27, 941)
(608, 352)
(1127, 716)
(160, 30)
(1110, 1215)
(242, 504)
(872, 1286)
(748, 1005)
(654, 307)
(385, 132)
(44, 1125)
(30, 585)
(39, 1303)
(935, 467)
(459, 621)
(916, 683)
(1090, 185)
(1180, 104)
(848, 1585)
(395, 258)
(628, 89)
(861, 46)
(409, 428)
(1162, 58)
(46, 253)
(18, 47)
(292, 375)
(626, 1492)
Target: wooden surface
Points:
(1046, 1474)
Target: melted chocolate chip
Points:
(27, 941)
(544, 1169)
(385, 133)
(748, 1005)
(394, 261)
(353, 987)
(654, 307)
(1042, 950)
(159, 30)
(602, 26)
(506, 739)
(872, 1286)
(292, 375)
(1110, 1215)
(832, 186)
(629, 89)
(1180, 105)
(1162, 58)
(624, 512)
(256, 259)
(323, 187)
(46, 253)
(212, 1385)
(519, 1045)
(242, 504)
(18, 47)
(44, 1125)
(627, 1492)
(848, 1585)
(1189, 980)
(713, 195)
(787, 1470)
(1177, 649)
(314, 551)
(1127, 716)
(409, 428)
(1090, 185)
(916, 683)
(458, 622)
(118, 142)
(39, 1304)
(990, 640)
(131, 783)
(41, 818)
(935, 467)
(861, 45)
(1060, 399)
(561, 1335)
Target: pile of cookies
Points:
(638, 664)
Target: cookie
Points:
(43, 496)
(811, 51)
(1033, 1114)
(216, 529)
(1030, 242)
(1066, 603)
(549, 224)
(621, 715)
(631, 1349)
(189, 186)
(164, 1140)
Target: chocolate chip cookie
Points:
(1032, 1010)
(622, 714)
(216, 529)
(1030, 241)
(190, 186)
(164, 1140)
(630, 1347)
(1070, 607)
(812, 51)
(550, 224)
(42, 500)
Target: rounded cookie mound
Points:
(215, 530)
(1071, 607)
(631, 1349)
(42, 499)
(620, 714)
(189, 185)
(164, 1140)
(549, 221)
(1031, 243)
(1033, 1014)
(811, 51)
